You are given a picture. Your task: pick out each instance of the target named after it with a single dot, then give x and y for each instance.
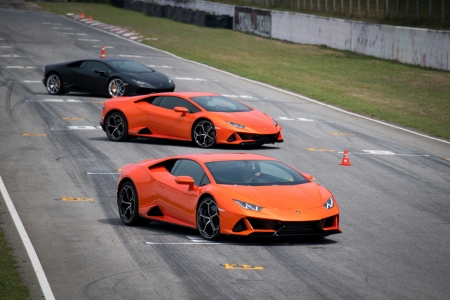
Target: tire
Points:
(116, 127)
(127, 201)
(208, 219)
(116, 87)
(53, 83)
(204, 134)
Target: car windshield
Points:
(254, 173)
(220, 104)
(129, 66)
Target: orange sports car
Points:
(227, 194)
(204, 118)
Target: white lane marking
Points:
(32, 81)
(19, 67)
(48, 23)
(383, 152)
(187, 78)
(304, 120)
(76, 128)
(93, 173)
(154, 66)
(45, 286)
(12, 55)
(126, 55)
(197, 240)
(64, 28)
(88, 40)
(107, 47)
(62, 100)
(71, 33)
(5, 46)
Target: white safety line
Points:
(269, 86)
(92, 173)
(45, 286)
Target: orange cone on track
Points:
(90, 18)
(103, 53)
(345, 159)
(82, 15)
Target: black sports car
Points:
(107, 76)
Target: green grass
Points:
(413, 97)
(11, 286)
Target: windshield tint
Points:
(220, 104)
(129, 66)
(254, 172)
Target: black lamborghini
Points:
(106, 76)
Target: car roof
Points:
(209, 157)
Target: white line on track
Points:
(32, 81)
(76, 128)
(19, 67)
(45, 286)
(92, 173)
(271, 87)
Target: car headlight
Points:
(248, 205)
(170, 80)
(329, 204)
(236, 125)
(274, 122)
(141, 82)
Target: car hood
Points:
(283, 197)
(253, 118)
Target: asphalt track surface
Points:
(394, 198)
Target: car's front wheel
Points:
(208, 219)
(204, 134)
(54, 84)
(116, 87)
(116, 127)
(127, 200)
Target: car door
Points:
(164, 119)
(180, 200)
(93, 76)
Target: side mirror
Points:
(181, 109)
(185, 180)
(308, 176)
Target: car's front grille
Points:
(259, 138)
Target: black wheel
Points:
(116, 127)
(204, 134)
(116, 87)
(54, 84)
(208, 219)
(127, 200)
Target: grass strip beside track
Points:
(11, 286)
(413, 97)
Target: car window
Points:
(95, 65)
(172, 102)
(220, 104)
(185, 167)
(129, 66)
(238, 172)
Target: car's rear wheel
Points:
(204, 134)
(208, 219)
(116, 87)
(54, 84)
(116, 127)
(128, 204)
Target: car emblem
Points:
(297, 211)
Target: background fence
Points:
(435, 13)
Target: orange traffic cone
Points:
(82, 15)
(345, 159)
(103, 53)
(90, 18)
